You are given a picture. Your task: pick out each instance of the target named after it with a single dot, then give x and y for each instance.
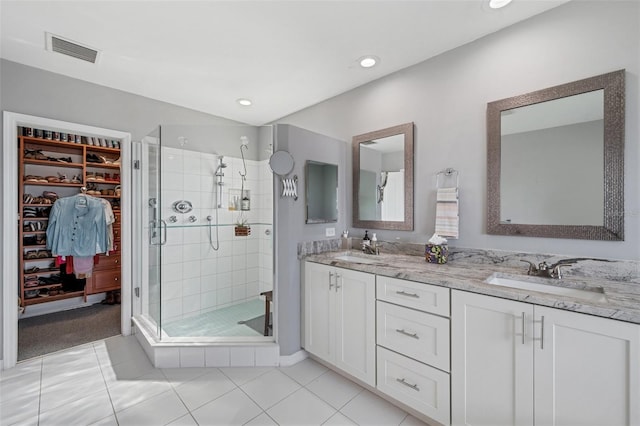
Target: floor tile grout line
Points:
(104, 379)
(40, 388)
(202, 405)
(274, 404)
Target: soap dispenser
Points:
(366, 240)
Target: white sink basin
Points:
(592, 295)
(355, 259)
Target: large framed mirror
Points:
(383, 179)
(321, 192)
(555, 163)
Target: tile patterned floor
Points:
(111, 382)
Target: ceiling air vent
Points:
(71, 48)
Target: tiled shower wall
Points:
(195, 277)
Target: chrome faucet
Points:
(370, 249)
(548, 271)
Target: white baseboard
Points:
(288, 360)
(61, 305)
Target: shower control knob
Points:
(173, 219)
(193, 219)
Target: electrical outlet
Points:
(330, 232)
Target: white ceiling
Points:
(284, 55)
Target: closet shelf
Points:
(44, 299)
(50, 163)
(76, 185)
(53, 163)
(103, 166)
(42, 272)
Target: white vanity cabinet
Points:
(519, 364)
(339, 319)
(413, 345)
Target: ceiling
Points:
(283, 55)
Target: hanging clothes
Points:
(77, 227)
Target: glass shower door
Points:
(154, 228)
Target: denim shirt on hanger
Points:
(77, 227)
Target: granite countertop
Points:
(622, 297)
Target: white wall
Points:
(446, 98)
(196, 278)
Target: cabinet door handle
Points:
(404, 293)
(542, 332)
(409, 385)
(338, 286)
(523, 327)
(406, 333)
(330, 282)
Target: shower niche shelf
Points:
(239, 199)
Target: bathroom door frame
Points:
(10, 212)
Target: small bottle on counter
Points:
(366, 240)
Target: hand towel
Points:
(447, 220)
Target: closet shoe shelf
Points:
(45, 163)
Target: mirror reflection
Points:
(381, 191)
(551, 162)
(322, 192)
(383, 178)
(555, 163)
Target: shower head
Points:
(244, 142)
(221, 165)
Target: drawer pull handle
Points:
(406, 333)
(404, 293)
(115, 279)
(407, 384)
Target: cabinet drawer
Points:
(108, 262)
(418, 335)
(425, 297)
(419, 386)
(105, 280)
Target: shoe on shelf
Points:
(93, 158)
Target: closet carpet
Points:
(53, 332)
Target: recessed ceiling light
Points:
(497, 4)
(244, 101)
(368, 61)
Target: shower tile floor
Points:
(112, 382)
(221, 322)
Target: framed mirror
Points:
(322, 192)
(383, 179)
(555, 163)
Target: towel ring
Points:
(448, 172)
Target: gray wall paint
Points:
(446, 98)
(291, 229)
(32, 91)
